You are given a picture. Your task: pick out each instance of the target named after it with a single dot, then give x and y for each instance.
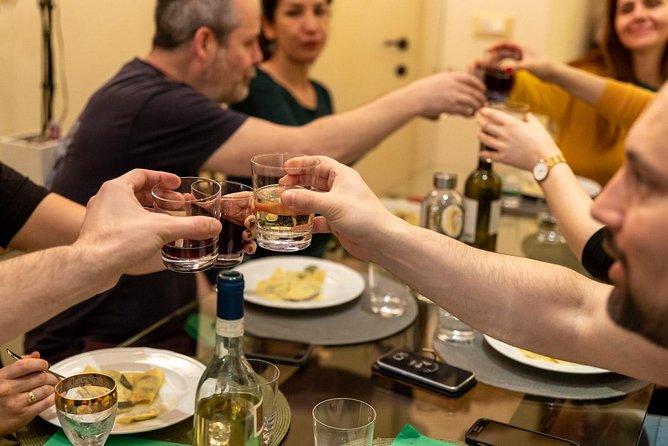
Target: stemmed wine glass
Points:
(86, 405)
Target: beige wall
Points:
(99, 37)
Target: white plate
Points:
(342, 284)
(177, 393)
(517, 355)
(406, 209)
(532, 189)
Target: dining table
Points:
(600, 409)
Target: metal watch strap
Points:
(554, 160)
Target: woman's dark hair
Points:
(269, 15)
(616, 58)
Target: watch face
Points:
(540, 171)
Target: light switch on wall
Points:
(492, 24)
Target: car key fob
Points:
(413, 368)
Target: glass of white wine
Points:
(86, 405)
(279, 227)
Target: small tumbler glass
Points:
(280, 228)
(452, 330)
(194, 196)
(268, 374)
(236, 203)
(343, 421)
(387, 297)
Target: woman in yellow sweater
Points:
(633, 50)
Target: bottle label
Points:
(494, 216)
(452, 221)
(470, 220)
(230, 329)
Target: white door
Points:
(363, 60)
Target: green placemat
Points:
(409, 436)
(59, 439)
(38, 432)
(388, 442)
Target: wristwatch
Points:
(542, 168)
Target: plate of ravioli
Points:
(156, 388)
(299, 282)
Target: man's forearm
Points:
(538, 306)
(349, 135)
(39, 285)
(571, 205)
(345, 136)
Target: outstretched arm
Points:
(349, 135)
(586, 86)
(496, 294)
(617, 101)
(118, 236)
(521, 144)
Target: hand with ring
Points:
(25, 391)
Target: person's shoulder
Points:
(263, 82)
(320, 87)
(325, 103)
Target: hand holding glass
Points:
(280, 228)
(236, 203)
(86, 406)
(194, 196)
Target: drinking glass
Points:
(498, 81)
(194, 196)
(86, 406)
(513, 108)
(268, 374)
(236, 203)
(452, 330)
(280, 228)
(343, 421)
(387, 296)
(548, 231)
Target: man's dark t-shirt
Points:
(139, 119)
(18, 199)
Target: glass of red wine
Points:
(499, 81)
(236, 204)
(194, 196)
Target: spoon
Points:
(18, 357)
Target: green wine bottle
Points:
(229, 398)
(482, 204)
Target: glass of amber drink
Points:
(280, 228)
